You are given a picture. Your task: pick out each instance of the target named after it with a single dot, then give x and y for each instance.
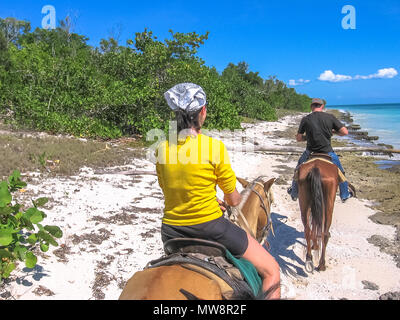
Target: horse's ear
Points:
(268, 184)
(243, 182)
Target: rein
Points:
(267, 212)
(235, 212)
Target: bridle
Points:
(235, 212)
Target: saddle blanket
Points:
(342, 177)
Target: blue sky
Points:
(292, 39)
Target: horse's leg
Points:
(309, 260)
(304, 201)
(325, 239)
(330, 195)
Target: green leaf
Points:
(30, 260)
(14, 176)
(54, 231)
(20, 185)
(8, 269)
(37, 217)
(28, 213)
(15, 181)
(32, 239)
(44, 247)
(16, 207)
(21, 252)
(13, 221)
(47, 237)
(5, 195)
(34, 215)
(5, 211)
(40, 202)
(5, 254)
(5, 237)
(28, 224)
(18, 215)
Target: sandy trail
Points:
(111, 225)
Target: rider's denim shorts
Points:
(219, 230)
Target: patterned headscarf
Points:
(187, 96)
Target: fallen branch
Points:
(130, 173)
(139, 173)
(275, 150)
(301, 150)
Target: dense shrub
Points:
(52, 80)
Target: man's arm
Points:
(233, 199)
(301, 137)
(302, 130)
(342, 132)
(338, 127)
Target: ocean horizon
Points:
(382, 120)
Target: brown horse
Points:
(178, 283)
(318, 182)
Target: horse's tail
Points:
(317, 205)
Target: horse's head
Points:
(256, 203)
(267, 185)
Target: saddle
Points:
(324, 157)
(237, 278)
(320, 156)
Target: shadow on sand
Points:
(37, 273)
(281, 246)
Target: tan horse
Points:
(170, 282)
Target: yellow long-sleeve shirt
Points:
(188, 173)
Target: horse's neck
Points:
(245, 196)
(249, 206)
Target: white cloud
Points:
(298, 82)
(328, 75)
(385, 73)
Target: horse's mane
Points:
(246, 192)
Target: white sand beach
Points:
(111, 224)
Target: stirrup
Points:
(289, 191)
(351, 196)
(352, 190)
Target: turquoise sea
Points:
(381, 120)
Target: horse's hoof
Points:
(309, 267)
(321, 268)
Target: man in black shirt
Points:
(319, 127)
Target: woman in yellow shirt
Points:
(188, 172)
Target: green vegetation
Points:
(20, 230)
(52, 80)
(62, 155)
